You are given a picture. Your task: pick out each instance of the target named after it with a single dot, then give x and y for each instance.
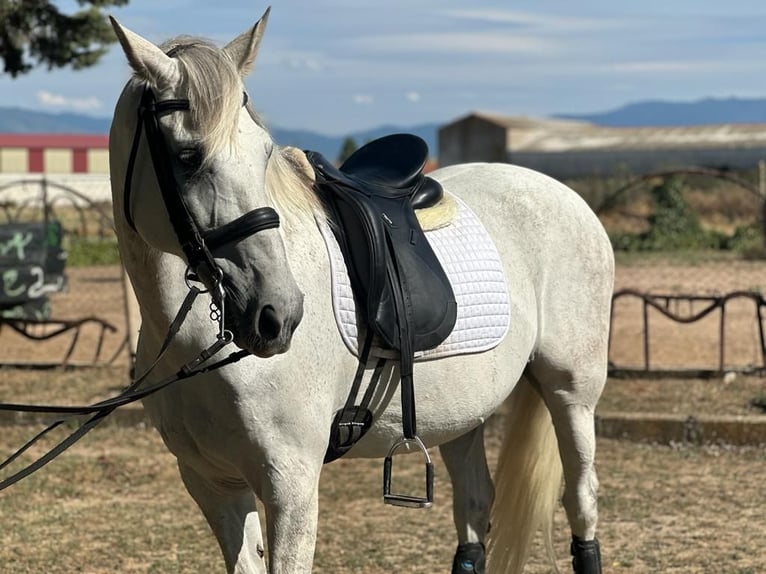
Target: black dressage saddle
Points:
(402, 294)
(372, 199)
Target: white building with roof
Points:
(571, 148)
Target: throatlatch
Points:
(404, 297)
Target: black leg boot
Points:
(586, 556)
(469, 559)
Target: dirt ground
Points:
(97, 292)
(114, 502)
(696, 345)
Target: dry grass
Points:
(62, 386)
(114, 503)
(716, 204)
(730, 396)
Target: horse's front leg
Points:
(232, 514)
(290, 494)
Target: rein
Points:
(99, 411)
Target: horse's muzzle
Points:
(268, 330)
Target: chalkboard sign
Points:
(32, 264)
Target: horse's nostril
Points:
(269, 324)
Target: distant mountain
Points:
(660, 113)
(651, 113)
(18, 120)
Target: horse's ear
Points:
(148, 61)
(244, 47)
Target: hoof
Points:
(470, 558)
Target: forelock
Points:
(213, 87)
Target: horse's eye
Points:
(190, 157)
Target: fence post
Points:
(762, 196)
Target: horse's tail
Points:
(527, 483)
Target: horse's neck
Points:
(310, 265)
(290, 175)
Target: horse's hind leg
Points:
(473, 492)
(571, 398)
(233, 517)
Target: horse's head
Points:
(195, 179)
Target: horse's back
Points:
(557, 256)
(514, 200)
(558, 268)
(535, 220)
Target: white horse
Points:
(260, 427)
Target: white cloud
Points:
(530, 19)
(303, 63)
(412, 97)
(461, 42)
(51, 100)
(363, 99)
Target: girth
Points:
(402, 292)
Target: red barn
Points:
(54, 154)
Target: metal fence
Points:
(85, 322)
(688, 302)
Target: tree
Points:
(346, 149)
(36, 32)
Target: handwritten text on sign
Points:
(31, 263)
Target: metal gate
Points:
(688, 310)
(80, 320)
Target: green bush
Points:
(673, 226)
(746, 238)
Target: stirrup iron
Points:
(408, 500)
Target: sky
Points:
(340, 66)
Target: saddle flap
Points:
(425, 288)
(361, 235)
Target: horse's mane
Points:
(214, 90)
(289, 185)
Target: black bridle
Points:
(197, 245)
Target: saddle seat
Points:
(390, 166)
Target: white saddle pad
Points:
(471, 261)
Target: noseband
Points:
(197, 244)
